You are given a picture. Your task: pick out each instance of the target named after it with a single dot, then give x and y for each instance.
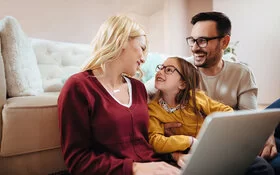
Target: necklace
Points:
(165, 106)
(111, 90)
(116, 91)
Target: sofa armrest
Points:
(3, 89)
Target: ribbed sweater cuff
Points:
(127, 166)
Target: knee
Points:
(260, 167)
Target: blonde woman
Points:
(103, 113)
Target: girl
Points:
(178, 100)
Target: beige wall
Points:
(65, 20)
(165, 21)
(256, 24)
(171, 25)
(194, 7)
(175, 27)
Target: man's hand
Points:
(269, 151)
(168, 128)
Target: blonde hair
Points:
(111, 37)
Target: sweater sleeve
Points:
(163, 144)
(247, 97)
(80, 156)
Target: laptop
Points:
(228, 142)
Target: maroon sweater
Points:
(98, 135)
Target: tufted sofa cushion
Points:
(58, 60)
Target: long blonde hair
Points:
(111, 37)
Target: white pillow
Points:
(21, 69)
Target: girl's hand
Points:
(154, 168)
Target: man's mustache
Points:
(200, 52)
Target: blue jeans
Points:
(260, 167)
(275, 163)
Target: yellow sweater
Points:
(190, 123)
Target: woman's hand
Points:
(154, 168)
(181, 158)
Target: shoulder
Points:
(135, 81)
(153, 106)
(200, 93)
(200, 96)
(76, 81)
(241, 70)
(138, 84)
(234, 66)
(153, 103)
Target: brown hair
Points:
(190, 75)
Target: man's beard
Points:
(209, 61)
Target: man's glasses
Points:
(168, 69)
(201, 41)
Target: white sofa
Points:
(30, 140)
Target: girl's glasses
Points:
(169, 69)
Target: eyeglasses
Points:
(168, 69)
(201, 41)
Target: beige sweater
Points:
(235, 86)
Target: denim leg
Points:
(275, 162)
(260, 167)
(275, 104)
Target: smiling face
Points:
(132, 55)
(169, 83)
(210, 55)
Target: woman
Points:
(103, 113)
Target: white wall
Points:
(256, 24)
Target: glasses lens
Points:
(201, 42)
(169, 70)
(158, 68)
(190, 41)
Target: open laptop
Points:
(229, 142)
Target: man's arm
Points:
(248, 100)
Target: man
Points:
(230, 83)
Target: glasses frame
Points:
(161, 66)
(203, 38)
